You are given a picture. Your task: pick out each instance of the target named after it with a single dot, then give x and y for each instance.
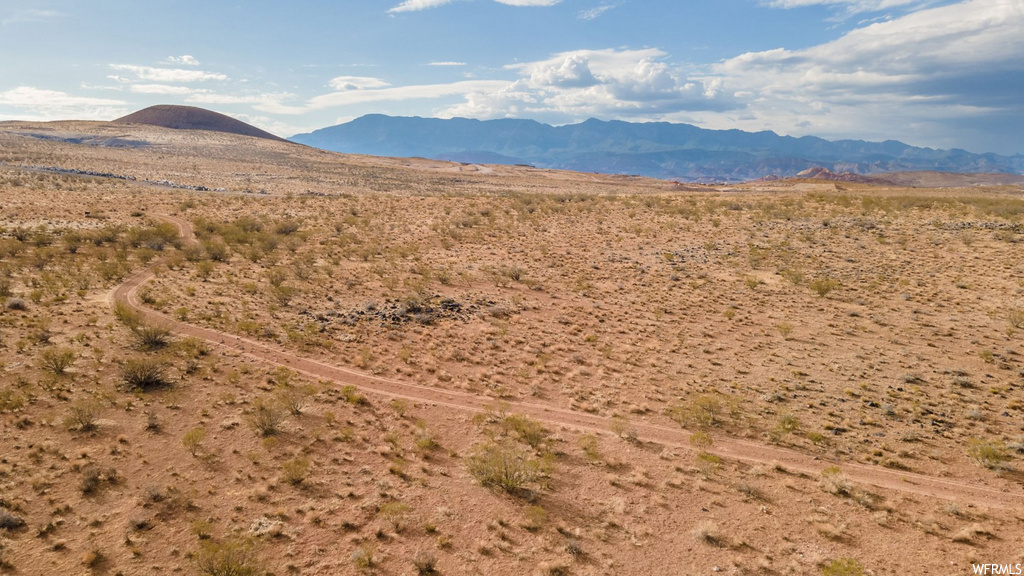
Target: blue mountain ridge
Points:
(656, 149)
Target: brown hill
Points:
(192, 118)
(952, 180)
(822, 173)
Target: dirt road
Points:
(1005, 495)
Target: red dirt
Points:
(1002, 497)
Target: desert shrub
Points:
(194, 347)
(822, 286)
(143, 374)
(785, 329)
(93, 477)
(10, 400)
(574, 548)
(835, 482)
(394, 513)
(363, 558)
(10, 521)
(283, 293)
(266, 418)
(1015, 316)
(989, 453)
(17, 304)
(82, 416)
(154, 238)
(793, 275)
(204, 269)
(701, 440)
(57, 360)
(504, 465)
(588, 443)
(536, 518)
(787, 424)
(621, 427)
(969, 534)
(708, 534)
(216, 250)
(708, 463)
(425, 562)
(352, 396)
(126, 315)
(843, 567)
(235, 557)
(193, 440)
(295, 471)
(93, 558)
(294, 399)
(286, 227)
(704, 411)
(526, 429)
(149, 338)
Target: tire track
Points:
(1010, 497)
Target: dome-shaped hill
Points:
(192, 118)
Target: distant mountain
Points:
(656, 149)
(192, 118)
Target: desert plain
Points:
(230, 355)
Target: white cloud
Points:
(272, 125)
(528, 2)
(417, 5)
(31, 16)
(573, 71)
(909, 75)
(344, 83)
(267, 102)
(594, 13)
(446, 64)
(167, 75)
(401, 93)
(576, 85)
(184, 60)
(160, 89)
(38, 104)
(851, 5)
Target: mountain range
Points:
(656, 149)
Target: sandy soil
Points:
(760, 379)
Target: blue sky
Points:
(928, 72)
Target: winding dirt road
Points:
(1008, 496)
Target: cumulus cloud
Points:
(38, 104)
(573, 71)
(167, 75)
(184, 60)
(575, 85)
(916, 72)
